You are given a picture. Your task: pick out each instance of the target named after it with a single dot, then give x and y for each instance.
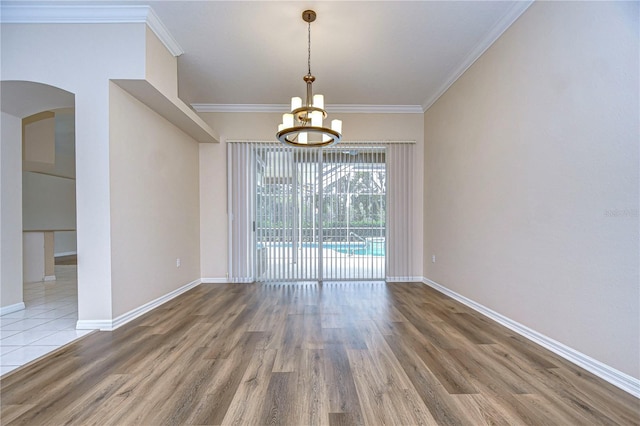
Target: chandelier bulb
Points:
(318, 101)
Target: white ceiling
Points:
(362, 52)
(397, 55)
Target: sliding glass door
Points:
(353, 213)
(319, 214)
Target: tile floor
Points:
(47, 322)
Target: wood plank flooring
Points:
(307, 354)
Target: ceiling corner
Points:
(509, 17)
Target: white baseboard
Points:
(65, 253)
(214, 280)
(11, 308)
(615, 377)
(110, 325)
(104, 325)
(49, 278)
(403, 279)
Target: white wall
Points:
(93, 54)
(262, 127)
(155, 210)
(10, 210)
(531, 179)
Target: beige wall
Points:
(64, 243)
(154, 204)
(262, 127)
(48, 202)
(39, 140)
(62, 160)
(531, 179)
(10, 210)
(33, 257)
(161, 67)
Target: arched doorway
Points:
(37, 175)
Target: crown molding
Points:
(16, 13)
(375, 109)
(514, 12)
(280, 108)
(332, 108)
(163, 33)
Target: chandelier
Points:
(303, 126)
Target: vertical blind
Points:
(340, 213)
(240, 212)
(400, 212)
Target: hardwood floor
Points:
(298, 354)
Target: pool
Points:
(372, 247)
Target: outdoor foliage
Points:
(356, 199)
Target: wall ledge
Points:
(65, 253)
(110, 325)
(11, 308)
(173, 110)
(617, 378)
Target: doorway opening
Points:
(40, 303)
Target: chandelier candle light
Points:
(303, 127)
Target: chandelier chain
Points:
(309, 48)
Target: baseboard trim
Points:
(11, 308)
(615, 377)
(110, 325)
(403, 279)
(215, 281)
(104, 325)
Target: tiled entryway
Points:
(47, 323)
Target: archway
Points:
(27, 108)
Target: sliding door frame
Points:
(251, 254)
